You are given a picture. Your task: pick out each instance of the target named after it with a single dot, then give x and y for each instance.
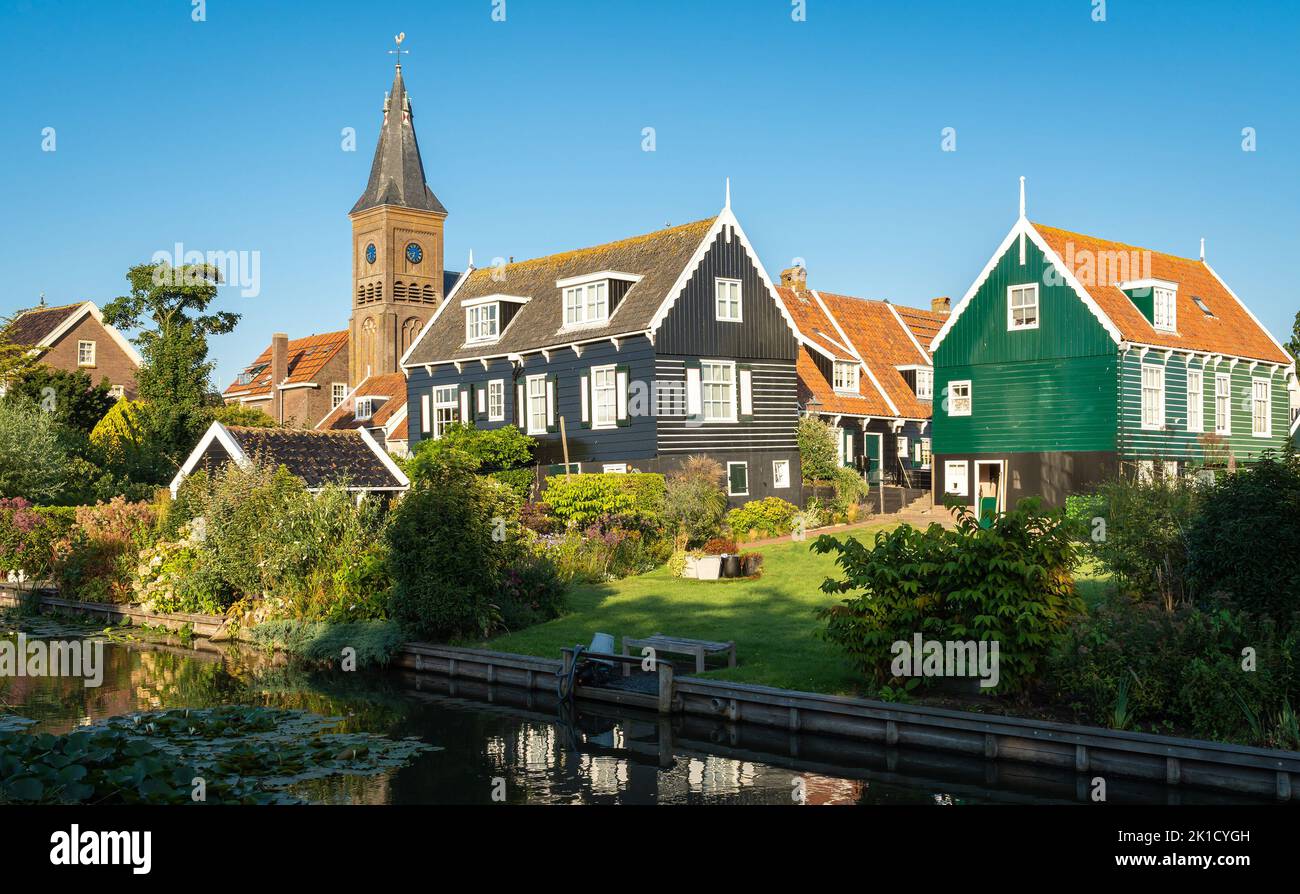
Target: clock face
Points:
(371, 253)
(414, 253)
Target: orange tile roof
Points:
(925, 324)
(401, 431)
(1232, 329)
(884, 345)
(391, 386)
(813, 385)
(812, 322)
(307, 356)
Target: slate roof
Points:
(397, 172)
(391, 386)
(658, 258)
(33, 326)
(1231, 329)
(307, 356)
(317, 457)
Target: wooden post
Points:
(665, 687)
(564, 443)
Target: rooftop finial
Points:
(1202, 248)
(42, 299)
(1022, 196)
(398, 51)
(471, 259)
(728, 202)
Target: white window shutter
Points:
(746, 391)
(848, 446)
(521, 407)
(424, 413)
(694, 398)
(584, 385)
(464, 404)
(550, 402)
(481, 396)
(620, 391)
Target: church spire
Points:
(397, 173)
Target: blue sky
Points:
(225, 135)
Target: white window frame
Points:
(480, 326)
(924, 452)
(445, 397)
(780, 474)
(614, 468)
(1223, 403)
(610, 389)
(496, 400)
(82, 358)
(902, 446)
(730, 384)
(117, 391)
(1153, 397)
(728, 297)
(956, 471)
(924, 383)
(732, 493)
(847, 383)
(1164, 309)
(363, 408)
(952, 397)
(1255, 401)
(530, 397)
(338, 393)
(1195, 400)
(1014, 325)
(586, 303)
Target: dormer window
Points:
(1166, 310)
(365, 408)
(482, 322)
(925, 384)
(586, 303)
(846, 376)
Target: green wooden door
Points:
(873, 448)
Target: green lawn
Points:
(770, 618)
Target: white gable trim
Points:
(1248, 311)
(216, 432)
(89, 307)
(1024, 227)
(925, 358)
(384, 458)
(447, 299)
(854, 351)
(725, 219)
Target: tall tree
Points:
(15, 359)
(170, 307)
(1294, 344)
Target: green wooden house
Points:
(1070, 357)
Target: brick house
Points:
(75, 337)
(297, 383)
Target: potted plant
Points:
(709, 566)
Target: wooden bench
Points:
(677, 645)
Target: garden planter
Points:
(708, 567)
(692, 567)
(751, 564)
(731, 566)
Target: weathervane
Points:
(398, 51)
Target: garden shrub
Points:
(531, 592)
(694, 501)
(818, 449)
(720, 546)
(375, 642)
(177, 576)
(95, 560)
(503, 453)
(611, 547)
(34, 461)
(29, 537)
(1244, 542)
(769, 517)
(1009, 583)
(580, 499)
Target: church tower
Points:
(397, 247)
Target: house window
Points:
(365, 408)
(614, 468)
(1195, 400)
(604, 381)
(780, 474)
(959, 399)
(902, 446)
(85, 353)
(727, 300)
(117, 392)
(738, 479)
(446, 404)
(1153, 397)
(956, 475)
(537, 405)
(481, 322)
(338, 393)
(587, 303)
(923, 453)
(1022, 307)
(1166, 309)
(925, 384)
(1261, 406)
(846, 376)
(1222, 404)
(718, 389)
(496, 400)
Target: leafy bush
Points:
(1009, 583)
(1244, 541)
(850, 490)
(611, 547)
(177, 576)
(1144, 541)
(769, 517)
(375, 642)
(505, 453)
(29, 537)
(34, 463)
(720, 546)
(532, 591)
(95, 560)
(1179, 672)
(580, 499)
(818, 449)
(694, 501)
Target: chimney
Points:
(279, 372)
(795, 278)
(941, 305)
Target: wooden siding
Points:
(692, 329)
(1175, 442)
(776, 413)
(1044, 389)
